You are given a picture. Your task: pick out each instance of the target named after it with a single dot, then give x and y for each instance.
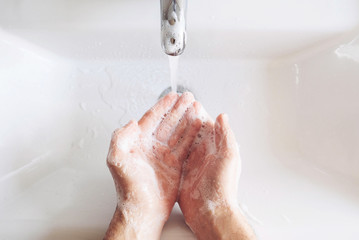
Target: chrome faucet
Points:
(173, 26)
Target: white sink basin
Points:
(286, 72)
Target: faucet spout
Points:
(173, 26)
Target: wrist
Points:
(131, 223)
(221, 220)
(205, 218)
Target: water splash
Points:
(83, 106)
(349, 50)
(249, 215)
(286, 218)
(27, 167)
(321, 171)
(296, 70)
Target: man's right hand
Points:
(210, 180)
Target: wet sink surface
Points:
(71, 73)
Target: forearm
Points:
(223, 223)
(118, 229)
(123, 227)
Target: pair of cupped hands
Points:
(175, 153)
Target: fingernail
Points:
(225, 117)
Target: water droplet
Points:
(83, 106)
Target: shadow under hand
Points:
(176, 228)
(75, 233)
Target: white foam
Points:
(195, 194)
(212, 205)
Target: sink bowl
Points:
(286, 72)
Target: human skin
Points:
(176, 153)
(209, 184)
(145, 160)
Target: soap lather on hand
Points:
(176, 153)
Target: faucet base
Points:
(180, 89)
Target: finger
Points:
(202, 146)
(207, 136)
(203, 141)
(182, 148)
(190, 115)
(194, 160)
(153, 117)
(122, 140)
(203, 115)
(167, 126)
(127, 134)
(224, 136)
(227, 146)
